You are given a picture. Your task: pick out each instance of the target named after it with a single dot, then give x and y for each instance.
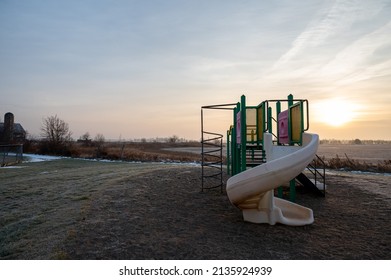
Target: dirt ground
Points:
(74, 209)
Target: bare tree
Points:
(56, 132)
(85, 139)
(99, 142)
(99, 139)
(173, 139)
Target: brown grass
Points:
(42, 203)
(79, 209)
(349, 164)
(369, 158)
(130, 151)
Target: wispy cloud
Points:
(329, 23)
(363, 59)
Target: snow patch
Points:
(39, 158)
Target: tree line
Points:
(56, 138)
(354, 142)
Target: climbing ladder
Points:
(212, 160)
(212, 153)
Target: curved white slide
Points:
(252, 190)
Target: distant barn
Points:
(10, 132)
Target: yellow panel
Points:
(251, 116)
(251, 124)
(296, 123)
(260, 123)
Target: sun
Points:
(335, 112)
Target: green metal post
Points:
(243, 136)
(292, 183)
(290, 100)
(292, 190)
(234, 145)
(269, 119)
(290, 103)
(278, 109)
(302, 122)
(228, 152)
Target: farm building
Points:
(11, 132)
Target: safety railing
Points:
(304, 102)
(11, 154)
(318, 170)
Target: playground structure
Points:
(267, 148)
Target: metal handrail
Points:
(316, 172)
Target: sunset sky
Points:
(143, 68)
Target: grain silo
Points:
(8, 127)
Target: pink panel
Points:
(283, 134)
(238, 128)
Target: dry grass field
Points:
(366, 157)
(85, 209)
(43, 202)
(369, 153)
(127, 151)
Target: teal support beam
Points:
(290, 100)
(234, 144)
(243, 132)
(292, 190)
(278, 107)
(270, 119)
(290, 103)
(278, 111)
(280, 192)
(292, 183)
(229, 162)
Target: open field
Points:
(368, 153)
(78, 209)
(363, 157)
(127, 151)
(368, 157)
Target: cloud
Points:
(362, 59)
(330, 23)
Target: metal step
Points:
(310, 184)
